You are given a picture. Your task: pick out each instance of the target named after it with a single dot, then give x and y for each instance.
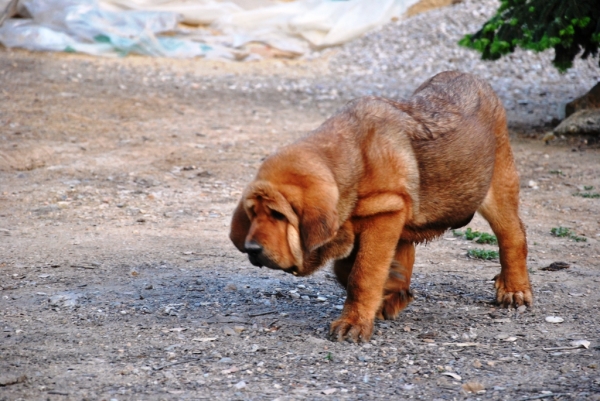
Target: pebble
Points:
(554, 319)
(452, 375)
(581, 343)
(6, 380)
(240, 385)
(229, 331)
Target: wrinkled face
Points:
(265, 227)
(281, 226)
(272, 240)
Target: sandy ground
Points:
(118, 281)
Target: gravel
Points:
(395, 60)
(118, 280)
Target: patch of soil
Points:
(118, 281)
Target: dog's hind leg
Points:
(397, 295)
(501, 209)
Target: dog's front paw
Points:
(393, 304)
(508, 294)
(355, 330)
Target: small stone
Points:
(329, 391)
(225, 360)
(204, 339)
(240, 385)
(239, 329)
(452, 375)
(305, 297)
(229, 331)
(581, 343)
(321, 299)
(554, 319)
(229, 371)
(521, 309)
(477, 364)
(7, 380)
(428, 335)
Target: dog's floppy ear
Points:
(319, 223)
(240, 225)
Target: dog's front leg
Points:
(378, 236)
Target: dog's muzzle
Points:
(254, 251)
(257, 257)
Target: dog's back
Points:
(461, 118)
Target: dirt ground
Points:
(118, 281)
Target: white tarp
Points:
(221, 29)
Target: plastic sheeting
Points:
(223, 29)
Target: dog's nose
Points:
(253, 247)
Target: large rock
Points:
(582, 122)
(590, 100)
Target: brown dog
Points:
(379, 177)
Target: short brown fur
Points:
(379, 177)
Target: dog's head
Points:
(279, 225)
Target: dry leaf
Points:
(473, 387)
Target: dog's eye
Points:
(277, 216)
